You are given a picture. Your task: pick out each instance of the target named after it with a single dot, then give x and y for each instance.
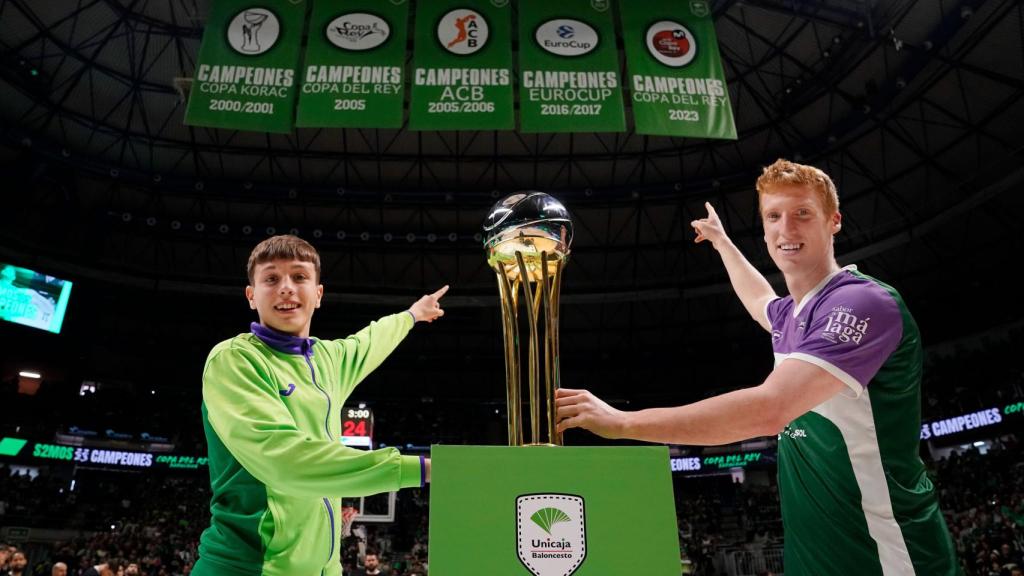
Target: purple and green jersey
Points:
(855, 495)
(272, 415)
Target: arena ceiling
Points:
(913, 106)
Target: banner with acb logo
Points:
(462, 66)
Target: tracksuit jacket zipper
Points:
(295, 345)
(327, 428)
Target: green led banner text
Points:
(98, 457)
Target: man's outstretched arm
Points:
(792, 389)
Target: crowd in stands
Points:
(715, 514)
(114, 519)
(983, 497)
(154, 522)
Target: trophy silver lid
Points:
(529, 223)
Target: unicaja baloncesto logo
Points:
(253, 31)
(551, 533)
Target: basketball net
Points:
(348, 514)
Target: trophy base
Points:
(582, 511)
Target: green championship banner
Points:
(245, 76)
(352, 75)
(462, 72)
(552, 511)
(568, 67)
(675, 72)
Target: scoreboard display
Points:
(32, 298)
(357, 427)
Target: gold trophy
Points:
(527, 239)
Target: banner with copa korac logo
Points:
(675, 79)
(569, 67)
(462, 66)
(245, 77)
(353, 74)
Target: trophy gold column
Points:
(527, 237)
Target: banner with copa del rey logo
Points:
(245, 78)
(462, 66)
(353, 72)
(569, 67)
(675, 71)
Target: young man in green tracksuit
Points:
(271, 411)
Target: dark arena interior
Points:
(146, 221)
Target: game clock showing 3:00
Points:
(356, 422)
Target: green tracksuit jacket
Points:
(271, 412)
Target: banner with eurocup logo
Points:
(245, 78)
(352, 76)
(462, 66)
(675, 78)
(569, 67)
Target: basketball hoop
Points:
(348, 514)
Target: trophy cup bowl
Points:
(255, 17)
(530, 223)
